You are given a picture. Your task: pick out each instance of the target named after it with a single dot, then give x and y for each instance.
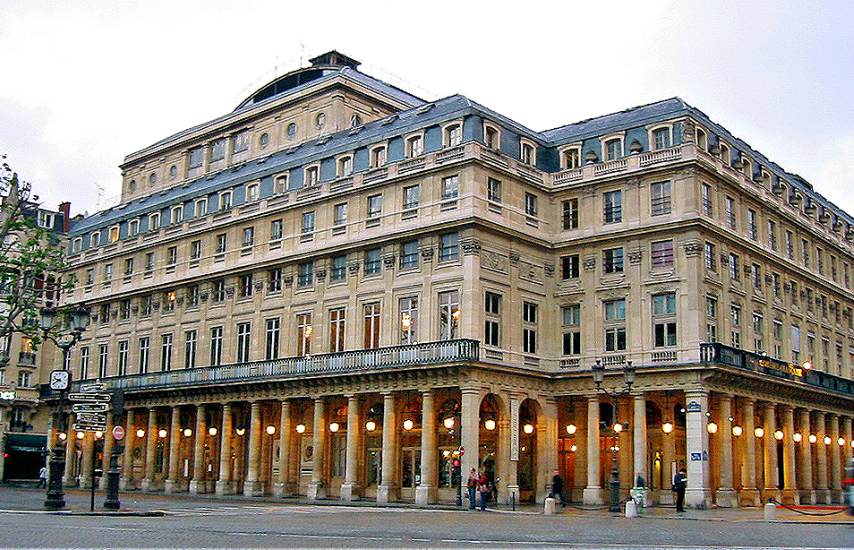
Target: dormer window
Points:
(76, 244)
(133, 228)
(702, 140)
(378, 156)
(660, 138)
(154, 221)
(225, 200)
(292, 129)
(114, 233)
(177, 215)
(571, 158)
(218, 150)
(282, 183)
(453, 135)
(613, 148)
(201, 207)
(312, 176)
(414, 146)
(345, 166)
(747, 170)
(173, 172)
(94, 239)
(492, 137)
(252, 192)
(527, 153)
(725, 157)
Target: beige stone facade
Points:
(341, 307)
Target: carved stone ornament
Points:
(549, 270)
(514, 258)
(388, 261)
(354, 267)
(692, 248)
(259, 286)
(635, 257)
(427, 254)
(229, 291)
(689, 131)
(288, 280)
(471, 247)
(494, 260)
(204, 296)
(724, 260)
(320, 273)
(589, 263)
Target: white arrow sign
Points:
(90, 408)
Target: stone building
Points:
(338, 289)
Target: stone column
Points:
(639, 443)
(592, 495)
(68, 477)
(846, 433)
(749, 495)
(85, 475)
(790, 489)
(148, 482)
(699, 492)
(546, 449)
(350, 489)
(197, 484)
(253, 487)
(769, 453)
(284, 485)
(427, 491)
(109, 443)
(822, 489)
(470, 430)
(126, 481)
(388, 489)
(835, 461)
(725, 497)
(223, 484)
(508, 425)
(317, 486)
(805, 472)
(666, 496)
(174, 482)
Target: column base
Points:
(770, 494)
(665, 497)
(425, 494)
(316, 491)
(808, 496)
(253, 489)
(224, 488)
(85, 482)
(281, 490)
(351, 492)
(127, 484)
(699, 499)
(197, 487)
(148, 485)
(822, 496)
(593, 496)
(387, 493)
(837, 497)
(512, 494)
(172, 486)
(790, 497)
(726, 498)
(749, 497)
(102, 483)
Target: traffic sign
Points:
(118, 433)
(90, 397)
(92, 418)
(89, 427)
(94, 387)
(90, 408)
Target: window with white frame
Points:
(274, 280)
(103, 360)
(662, 253)
(201, 207)
(371, 313)
(379, 156)
(414, 146)
(245, 285)
(569, 214)
(133, 228)
(492, 325)
(216, 346)
(529, 327)
(569, 267)
(730, 212)
(612, 260)
(664, 319)
(453, 135)
(339, 214)
(615, 325)
(244, 339)
(493, 190)
(571, 323)
(408, 319)
(345, 166)
(706, 198)
(94, 239)
(735, 332)
(613, 148)
(491, 137)
(177, 214)
(144, 354)
(84, 362)
(531, 205)
(172, 255)
(218, 291)
(449, 314)
(240, 141)
(308, 222)
(166, 352)
(248, 236)
(660, 138)
(527, 153)
(276, 230)
(273, 335)
(571, 158)
(218, 150)
(306, 274)
(752, 228)
(312, 176)
(191, 341)
(225, 200)
(450, 187)
(221, 243)
(613, 207)
(758, 332)
(660, 196)
(282, 183)
(253, 192)
(154, 221)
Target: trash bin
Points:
(638, 495)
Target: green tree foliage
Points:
(31, 260)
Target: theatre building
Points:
(338, 288)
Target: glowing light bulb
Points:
(571, 429)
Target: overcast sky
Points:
(85, 83)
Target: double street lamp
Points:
(60, 380)
(599, 377)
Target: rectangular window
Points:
(122, 366)
(734, 272)
(414, 146)
(569, 267)
(149, 263)
(274, 280)
(345, 166)
(129, 267)
(308, 222)
(145, 305)
(408, 320)
(373, 261)
(664, 321)
(569, 217)
(615, 325)
(613, 201)
(172, 255)
(154, 222)
(409, 254)
(449, 315)
(201, 207)
(166, 352)
(529, 327)
(772, 235)
(450, 249)
(711, 257)
(531, 204)
(336, 329)
(273, 334)
(751, 224)
(312, 176)
(276, 230)
(339, 268)
(193, 296)
(84, 363)
(103, 360)
(662, 253)
(306, 274)
(133, 228)
(660, 193)
(375, 206)
(248, 236)
(245, 286)
(706, 197)
(805, 247)
(756, 276)
(190, 346)
(221, 243)
(240, 141)
(492, 326)
(758, 327)
(493, 190)
(571, 329)
(218, 150)
(730, 212)
(790, 245)
(411, 196)
(144, 353)
(661, 138)
(372, 325)
(711, 307)
(244, 339)
(450, 187)
(195, 250)
(225, 200)
(612, 260)
(339, 215)
(216, 346)
(218, 291)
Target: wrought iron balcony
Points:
(430, 353)
(721, 354)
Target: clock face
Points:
(59, 380)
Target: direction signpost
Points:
(90, 407)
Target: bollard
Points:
(549, 507)
(631, 509)
(770, 512)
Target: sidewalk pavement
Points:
(31, 500)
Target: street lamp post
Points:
(598, 377)
(60, 380)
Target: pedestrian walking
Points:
(471, 485)
(483, 489)
(42, 477)
(557, 488)
(680, 482)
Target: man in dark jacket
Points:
(680, 482)
(557, 488)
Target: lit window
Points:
(114, 234)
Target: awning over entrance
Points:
(25, 443)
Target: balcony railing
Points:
(430, 353)
(734, 357)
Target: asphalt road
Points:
(206, 523)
